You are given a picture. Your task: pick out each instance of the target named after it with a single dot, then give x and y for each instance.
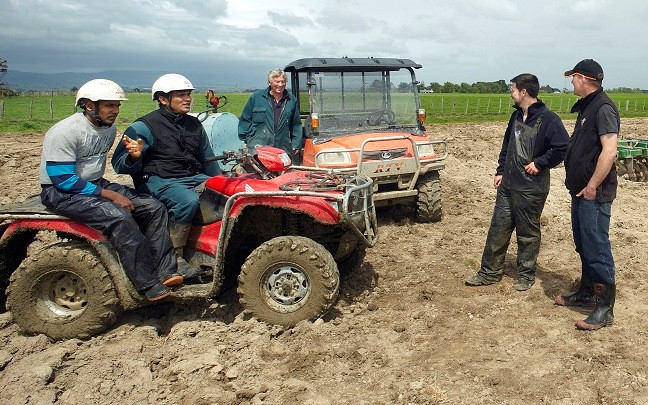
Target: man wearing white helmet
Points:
(73, 163)
(166, 153)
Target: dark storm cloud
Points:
(457, 41)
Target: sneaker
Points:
(171, 280)
(478, 280)
(522, 284)
(157, 292)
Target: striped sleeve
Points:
(63, 176)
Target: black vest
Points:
(176, 139)
(585, 147)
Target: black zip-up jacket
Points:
(585, 148)
(551, 141)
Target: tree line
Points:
(501, 86)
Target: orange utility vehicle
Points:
(363, 115)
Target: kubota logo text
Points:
(389, 167)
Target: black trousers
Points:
(140, 237)
(519, 211)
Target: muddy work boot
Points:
(157, 292)
(477, 280)
(523, 284)
(584, 297)
(179, 234)
(171, 280)
(603, 314)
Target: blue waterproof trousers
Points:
(177, 194)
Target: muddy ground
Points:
(405, 329)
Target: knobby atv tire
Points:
(428, 203)
(282, 261)
(63, 292)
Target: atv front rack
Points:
(355, 207)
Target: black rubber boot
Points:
(179, 233)
(186, 270)
(584, 297)
(603, 314)
(157, 292)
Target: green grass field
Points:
(38, 113)
(494, 107)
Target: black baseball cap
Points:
(588, 68)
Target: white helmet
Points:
(171, 82)
(100, 89)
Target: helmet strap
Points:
(94, 115)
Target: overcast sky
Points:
(455, 40)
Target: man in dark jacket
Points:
(534, 142)
(271, 117)
(166, 153)
(592, 182)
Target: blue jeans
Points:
(590, 227)
(177, 194)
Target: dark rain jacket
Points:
(256, 125)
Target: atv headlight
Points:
(425, 149)
(332, 158)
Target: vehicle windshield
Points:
(352, 102)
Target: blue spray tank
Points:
(221, 127)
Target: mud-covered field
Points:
(405, 329)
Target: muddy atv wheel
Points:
(64, 292)
(288, 279)
(428, 203)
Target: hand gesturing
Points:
(134, 147)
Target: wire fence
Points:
(449, 105)
(56, 105)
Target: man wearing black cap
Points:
(592, 182)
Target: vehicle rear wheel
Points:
(288, 279)
(64, 292)
(428, 203)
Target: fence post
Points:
(500, 107)
(51, 107)
(31, 109)
(488, 106)
(635, 105)
(627, 102)
(454, 104)
(561, 100)
(442, 105)
(191, 106)
(1, 109)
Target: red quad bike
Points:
(284, 233)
